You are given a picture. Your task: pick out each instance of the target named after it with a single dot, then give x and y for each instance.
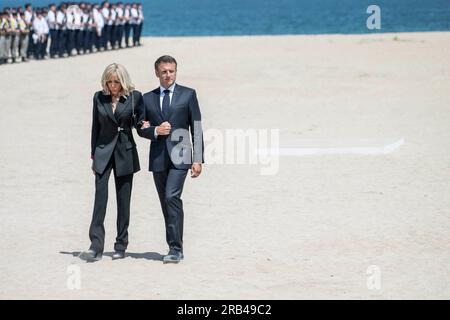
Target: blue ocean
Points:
(281, 17)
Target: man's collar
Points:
(171, 88)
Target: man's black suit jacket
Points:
(185, 120)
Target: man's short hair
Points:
(165, 59)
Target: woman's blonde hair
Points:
(116, 69)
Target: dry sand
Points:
(310, 231)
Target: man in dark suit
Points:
(172, 111)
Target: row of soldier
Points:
(68, 29)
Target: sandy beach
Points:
(326, 225)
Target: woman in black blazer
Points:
(117, 108)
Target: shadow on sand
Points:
(146, 255)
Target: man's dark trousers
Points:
(169, 184)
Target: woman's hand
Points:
(145, 125)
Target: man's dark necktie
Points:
(165, 105)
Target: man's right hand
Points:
(163, 129)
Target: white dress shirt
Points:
(162, 94)
(141, 16)
(70, 22)
(77, 21)
(105, 13)
(161, 97)
(85, 20)
(134, 16)
(61, 20)
(127, 14)
(28, 16)
(98, 18)
(114, 17)
(40, 26)
(51, 20)
(120, 15)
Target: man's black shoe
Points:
(90, 256)
(118, 255)
(173, 257)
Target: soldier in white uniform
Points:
(114, 20)
(41, 31)
(99, 26)
(106, 36)
(140, 22)
(61, 20)
(120, 23)
(88, 23)
(134, 22)
(70, 23)
(127, 26)
(3, 27)
(53, 26)
(77, 14)
(47, 42)
(29, 17)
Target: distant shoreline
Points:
(374, 34)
